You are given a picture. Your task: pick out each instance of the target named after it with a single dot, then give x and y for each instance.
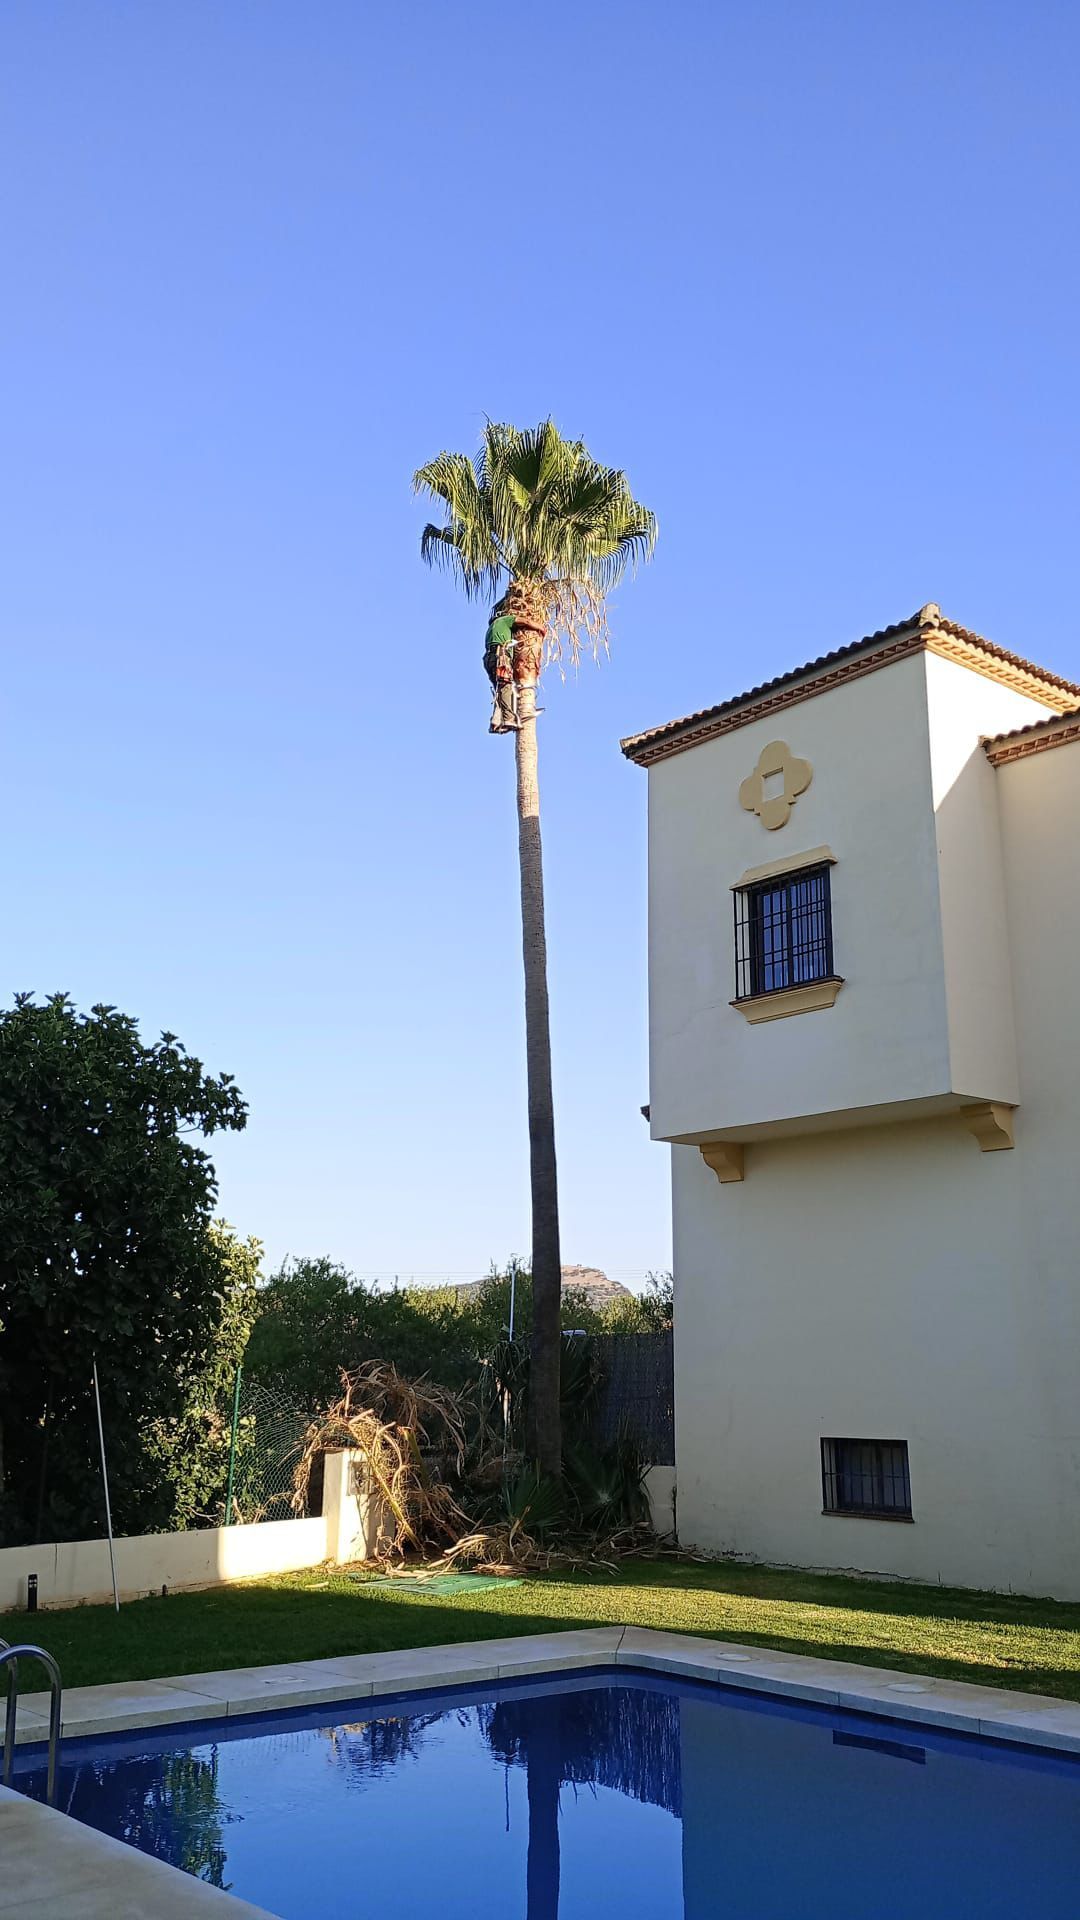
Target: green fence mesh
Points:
(270, 1433)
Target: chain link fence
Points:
(268, 1440)
(637, 1394)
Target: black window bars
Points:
(783, 932)
(867, 1477)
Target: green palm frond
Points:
(451, 547)
(539, 509)
(451, 477)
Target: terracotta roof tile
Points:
(1057, 729)
(928, 619)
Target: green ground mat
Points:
(436, 1585)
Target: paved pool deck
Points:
(53, 1865)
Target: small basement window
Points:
(867, 1477)
(783, 933)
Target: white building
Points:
(864, 958)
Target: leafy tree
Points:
(650, 1312)
(106, 1249)
(315, 1319)
(308, 1327)
(536, 520)
(193, 1446)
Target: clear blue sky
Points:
(810, 273)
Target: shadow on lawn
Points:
(1064, 1683)
(263, 1626)
(855, 1594)
(256, 1626)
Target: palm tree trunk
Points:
(545, 1437)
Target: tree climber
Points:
(499, 667)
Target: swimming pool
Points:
(594, 1794)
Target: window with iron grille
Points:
(783, 933)
(868, 1477)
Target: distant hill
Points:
(597, 1289)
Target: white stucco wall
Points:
(660, 1487)
(870, 801)
(894, 1282)
(73, 1571)
(1040, 806)
(353, 1512)
(877, 1284)
(963, 707)
(903, 796)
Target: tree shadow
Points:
(852, 1593)
(264, 1625)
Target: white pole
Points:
(506, 1393)
(105, 1483)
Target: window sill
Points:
(864, 1513)
(788, 1000)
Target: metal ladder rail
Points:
(9, 1658)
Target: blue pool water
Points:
(582, 1798)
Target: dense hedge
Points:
(316, 1319)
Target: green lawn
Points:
(1033, 1645)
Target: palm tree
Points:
(542, 528)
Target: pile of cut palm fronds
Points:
(594, 1516)
(451, 1491)
(411, 1440)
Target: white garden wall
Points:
(78, 1570)
(660, 1487)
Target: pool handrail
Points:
(9, 1658)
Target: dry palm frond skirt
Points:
(412, 1439)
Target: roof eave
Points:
(1059, 730)
(926, 631)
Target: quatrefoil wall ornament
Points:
(775, 784)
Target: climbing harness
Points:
(499, 668)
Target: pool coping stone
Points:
(1026, 1719)
(55, 1866)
